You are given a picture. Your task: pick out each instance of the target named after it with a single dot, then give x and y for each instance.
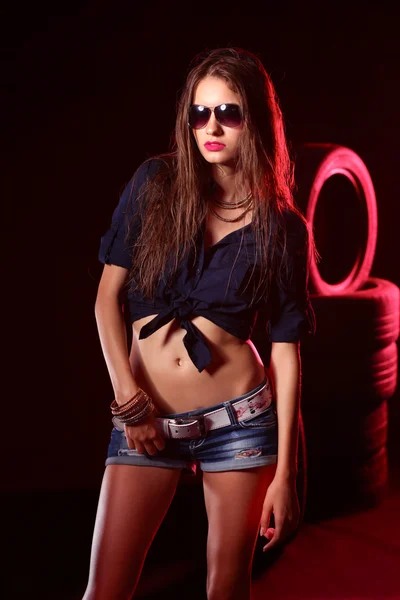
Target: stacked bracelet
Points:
(134, 410)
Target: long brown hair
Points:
(176, 198)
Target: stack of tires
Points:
(349, 368)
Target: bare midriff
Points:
(162, 367)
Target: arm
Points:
(281, 498)
(285, 368)
(111, 327)
(112, 332)
(115, 253)
(292, 318)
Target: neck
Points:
(227, 182)
(225, 178)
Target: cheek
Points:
(234, 140)
(237, 134)
(198, 138)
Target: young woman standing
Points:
(213, 253)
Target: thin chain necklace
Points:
(231, 220)
(232, 205)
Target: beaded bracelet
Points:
(115, 407)
(139, 417)
(134, 410)
(135, 418)
(132, 407)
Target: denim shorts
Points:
(252, 442)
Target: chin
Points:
(218, 159)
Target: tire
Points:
(334, 431)
(335, 488)
(318, 166)
(346, 454)
(354, 377)
(365, 320)
(349, 371)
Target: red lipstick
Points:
(214, 146)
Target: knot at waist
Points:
(183, 311)
(194, 341)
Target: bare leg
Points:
(234, 501)
(133, 502)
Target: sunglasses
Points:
(228, 115)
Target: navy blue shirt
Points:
(214, 286)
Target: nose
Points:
(213, 127)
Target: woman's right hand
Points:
(144, 436)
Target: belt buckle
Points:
(199, 421)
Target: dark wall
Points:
(89, 92)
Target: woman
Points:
(213, 254)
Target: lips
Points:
(214, 146)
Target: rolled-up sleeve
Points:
(117, 242)
(292, 315)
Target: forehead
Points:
(212, 91)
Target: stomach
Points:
(163, 369)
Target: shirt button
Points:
(198, 271)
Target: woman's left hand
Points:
(281, 499)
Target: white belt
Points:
(196, 426)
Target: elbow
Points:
(98, 307)
(98, 303)
(105, 302)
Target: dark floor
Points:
(352, 556)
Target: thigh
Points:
(133, 502)
(234, 501)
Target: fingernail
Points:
(262, 531)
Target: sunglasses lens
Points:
(198, 116)
(228, 115)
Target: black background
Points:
(88, 92)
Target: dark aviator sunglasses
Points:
(228, 115)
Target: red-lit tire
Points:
(346, 456)
(356, 321)
(336, 488)
(367, 375)
(315, 165)
(337, 429)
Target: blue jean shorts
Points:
(252, 442)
